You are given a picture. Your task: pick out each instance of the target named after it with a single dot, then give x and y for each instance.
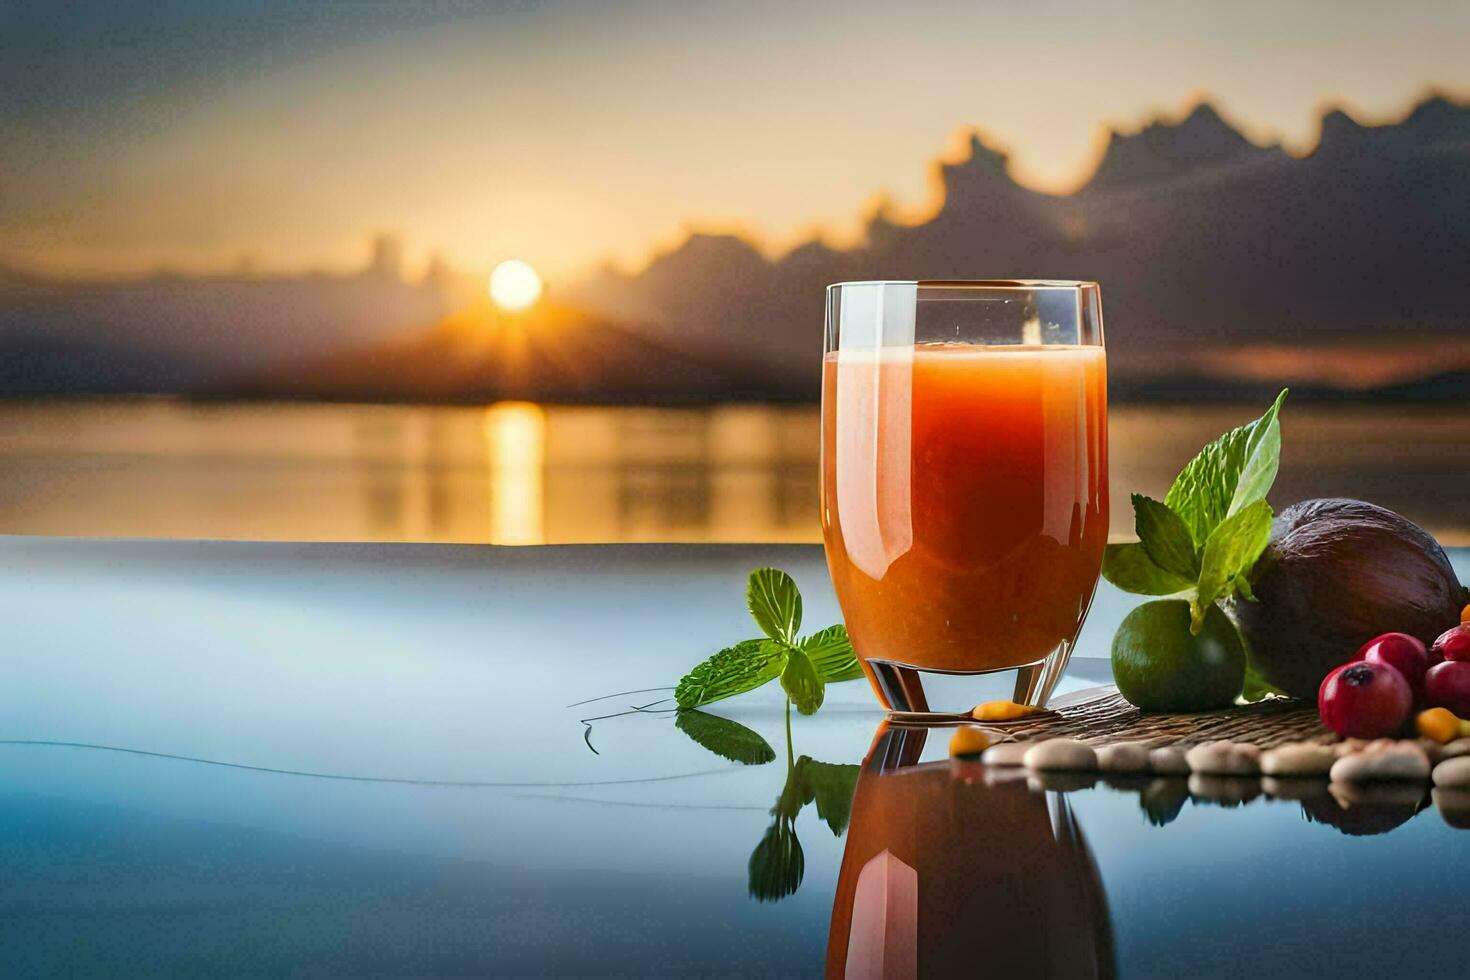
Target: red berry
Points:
(1453, 644)
(1447, 685)
(1364, 700)
(1402, 652)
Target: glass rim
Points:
(1018, 284)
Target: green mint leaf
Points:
(734, 670)
(1130, 568)
(832, 786)
(802, 683)
(831, 653)
(725, 738)
(1243, 588)
(1229, 474)
(777, 864)
(1256, 688)
(1262, 459)
(1165, 537)
(775, 602)
(1230, 552)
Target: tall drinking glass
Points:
(964, 477)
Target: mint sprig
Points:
(805, 665)
(1228, 475)
(734, 670)
(775, 603)
(1129, 567)
(802, 683)
(1202, 541)
(1166, 539)
(831, 653)
(1231, 551)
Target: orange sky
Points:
(572, 133)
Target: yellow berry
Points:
(1438, 724)
(1002, 711)
(968, 740)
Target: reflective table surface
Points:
(232, 758)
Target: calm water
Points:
(323, 759)
(518, 473)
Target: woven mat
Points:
(1101, 715)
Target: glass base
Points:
(907, 695)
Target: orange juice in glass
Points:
(964, 477)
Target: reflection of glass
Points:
(964, 476)
(947, 873)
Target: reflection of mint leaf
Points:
(1129, 567)
(831, 653)
(802, 683)
(775, 602)
(777, 864)
(1231, 550)
(725, 738)
(734, 670)
(794, 795)
(1229, 474)
(1165, 537)
(832, 786)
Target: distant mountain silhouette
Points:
(549, 353)
(175, 334)
(1204, 243)
(1160, 151)
(1199, 237)
(72, 365)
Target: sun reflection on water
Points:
(520, 473)
(515, 451)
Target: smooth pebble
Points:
(1006, 754)
(1224, 758)
(1383, 759)
(1451, 750)
(1163, 798)
(1453, 773)
(1404, 793)
(1453, 806)
(1062, 782)
(1001, 775)
(1294, 787)
(1224, 790)
(1168, 761)
(1298, 759)
(1123, 757)
(1065, 754)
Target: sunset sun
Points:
(514, 285)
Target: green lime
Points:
(1159, 665)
